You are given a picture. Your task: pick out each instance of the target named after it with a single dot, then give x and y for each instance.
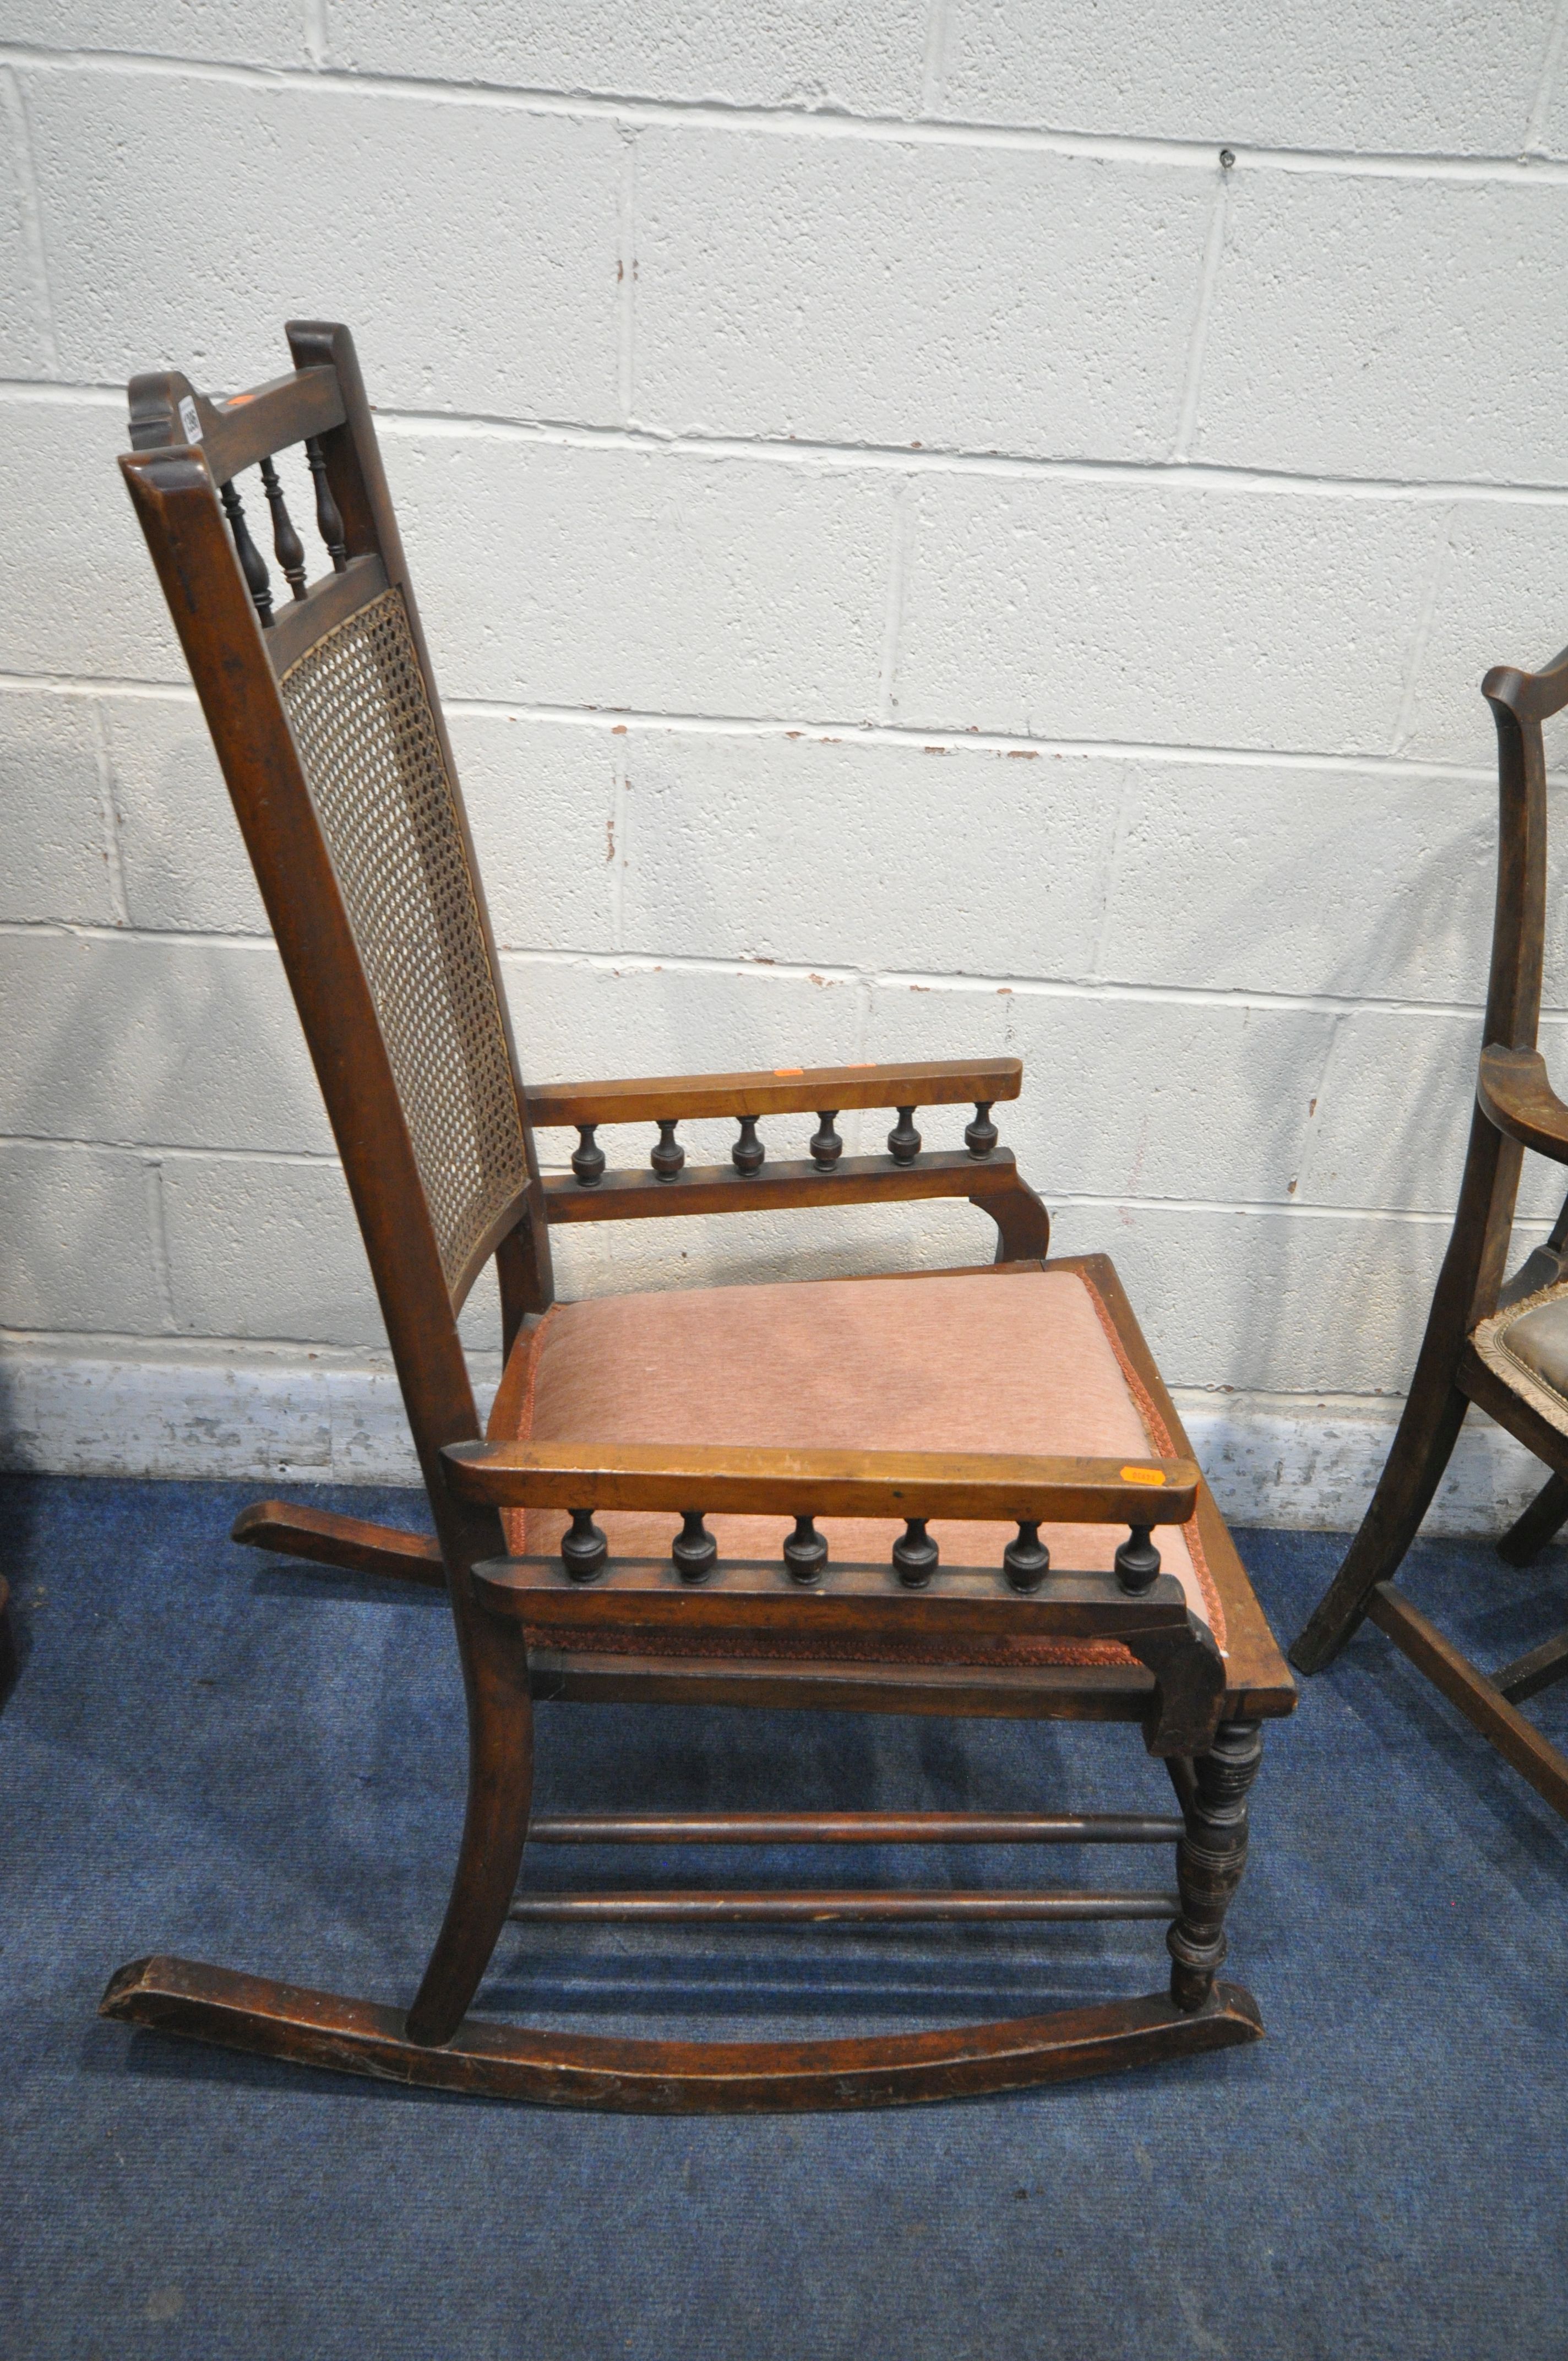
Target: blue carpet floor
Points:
(210, 1753)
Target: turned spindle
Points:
(1209, 1859)
(915, 1555)
(694, 1549)
(587, 1157)
(1028, 1561)
(982, 1135)
(748, 1151)
(1138, 1561)
(804, 1552)
(584, 1549)
(904, 1140)
(290, 549)
(826, 1145)
(252, 565)
(329, 521)
(667, 1156)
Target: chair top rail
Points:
(167, 411)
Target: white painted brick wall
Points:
(920, 557)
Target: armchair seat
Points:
(1025, 1359)
(1526, 1344)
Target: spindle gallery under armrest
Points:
(980, 1485)
(634, 1194)
(641, 1600)
(785, 1090)
(852, 1602)
(1515, 1092)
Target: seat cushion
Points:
(1526, 1344)
(1026, 1361)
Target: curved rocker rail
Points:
(348, 2037)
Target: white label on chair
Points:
(189, 420)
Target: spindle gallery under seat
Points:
(948, 1493)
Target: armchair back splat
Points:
(961, 1493)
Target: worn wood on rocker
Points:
(439, 1195)
(1515, 1109)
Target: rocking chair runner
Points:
(973, 1439)
(1502, 1346)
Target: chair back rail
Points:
(322, 709)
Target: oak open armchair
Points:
(1502, 1344)
(991, 1451)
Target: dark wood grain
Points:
(1544, 1518)
(1514, 1106)
(234, 435)
(853, 1828)
(847, 1601)
(1540, 1668)
(1210, 1858)
(834, 1906)
(324, 1538)
(327, 603)
(564, 2069)
(1484, 1706)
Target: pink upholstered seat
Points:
(1022, 1362)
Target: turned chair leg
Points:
(1209, 1859)
(1544, 1518)
(495, 1827)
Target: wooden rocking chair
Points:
(974, 1438)
(1504, 1347)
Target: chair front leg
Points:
(495, 1827)
(1211, 1857)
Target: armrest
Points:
(1513, 1092)
(972, 1486)
(1533, 696)
(788, 1090)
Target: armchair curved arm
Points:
(1514, 1093)
(1533, 696)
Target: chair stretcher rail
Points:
(826, 1907)
(854, 1827)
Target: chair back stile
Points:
(336, 757)
(1489, 1190)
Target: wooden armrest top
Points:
(786, 1090)
(1513, 1092)
(1533, 696)
(980, 1486)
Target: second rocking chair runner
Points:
(961, 1493)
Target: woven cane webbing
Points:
(362, 722)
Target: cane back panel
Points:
(361, 719)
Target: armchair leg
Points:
(1546, 1513)
(495, 1827)
(1422, 1449)
(1210, 1859)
